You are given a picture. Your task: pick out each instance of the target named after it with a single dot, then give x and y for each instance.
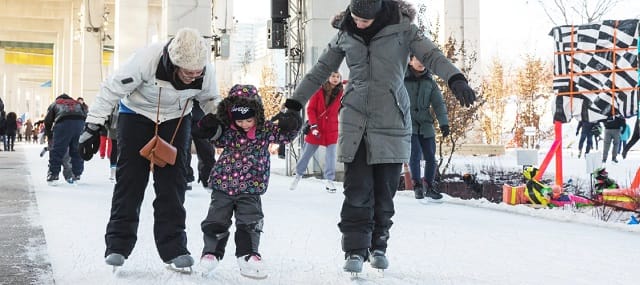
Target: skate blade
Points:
(183, 270)
(331, 190)
(433, 201)
(115, 269)
(256, 277)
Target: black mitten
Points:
(288, 120)
(208, 127)
(463, 92)
(89, 142)
(444, 129)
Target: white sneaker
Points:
(208, 263)
(295, 182)
(329, 186)
(251, 266)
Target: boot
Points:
(417, 189)
(51, 178)
(431, 193)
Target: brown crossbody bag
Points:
(157, 150)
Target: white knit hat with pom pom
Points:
(188, 49)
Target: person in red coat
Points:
(322, 113)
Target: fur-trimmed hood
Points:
(405, 9)
(224, 113)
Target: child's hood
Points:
(224, 109)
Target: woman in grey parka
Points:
(375, 37)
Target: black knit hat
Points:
(242, 112)
(366, 9)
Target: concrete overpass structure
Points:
(71, 45)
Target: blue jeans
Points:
(423, 148)
(308, 150)
(585, 136)
(65, 142)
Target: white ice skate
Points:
(294, 183)
(329, 186)
(251, 266)
(208, 263)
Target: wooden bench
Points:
(476, 149)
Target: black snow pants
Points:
(132, 177)
(365, 218)
(249, 221)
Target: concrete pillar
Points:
(3, 77)
(57, 82)
(131, 29)
(65, 57)
(91, 70)
(462, 21)
(318, 29)
(75, 56)
(193, 14)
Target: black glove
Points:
(209, 127)
(444, 129)
(89, 141)
(463, 92)
(289, 119)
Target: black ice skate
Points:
(353, 264)
(114, 259)
(181, 264)
(379, 260)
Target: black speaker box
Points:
(279, 9)
(276, 34)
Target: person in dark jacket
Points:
(424, 94)
(63, 123)
(612, 129)
(376, 38)
(11, 129)
(3, 130)
(585, 135)
(239, 178)
(634, 138)
(204, 151)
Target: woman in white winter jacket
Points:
(169, 76)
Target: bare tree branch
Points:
(565, 12)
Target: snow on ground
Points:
(457, 242)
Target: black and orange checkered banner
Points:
(596, 70)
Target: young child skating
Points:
(239, 177)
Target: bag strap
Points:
(158, 112)
(175, 132)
